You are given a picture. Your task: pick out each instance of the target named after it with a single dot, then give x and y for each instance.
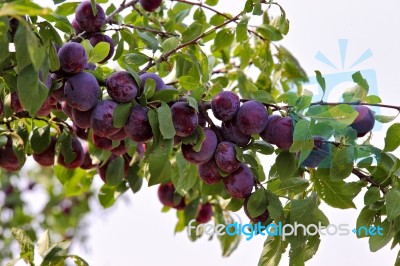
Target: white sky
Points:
(135, 232)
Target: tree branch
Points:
(122, 7)
(367, 178)
(165, 56)
(155, 31)
(356, 103)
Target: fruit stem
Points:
(203, 107)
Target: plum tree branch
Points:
(122, 7)
(356, 103)
(165, 56)
(367, 178)
(155, 31)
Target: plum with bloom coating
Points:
(240, 183)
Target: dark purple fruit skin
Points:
(87, 21)
(225, 157)
(184, 118)
(150, 5)
(209, 173)
(87, 161)
(81, 118)
(103, 117)
(364, 122)
(95, 39)
(261, 218)
(138, 126)
(102, 143)
(120, 135)
(206, 151)
(201, 120)
(160, 85)
(166, 195)
(82, 91)
(252, 118)
(15, 103)
(66, 109)
(232, 133)
(81, 133)
(73, 57)
(46, 158)
(120, 149)
(122, 87)
(319, 152)
(77, 148)
(76, 27)
(205, 213)
(8, 159)
(268, 134)
(283, 133)
(1, 107)
(225, 105)
(240, 183)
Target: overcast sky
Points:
(135, 232)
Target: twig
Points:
(122, 7)
(356, 103)
(367, 178)
(203, 107)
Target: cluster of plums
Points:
(217, 159)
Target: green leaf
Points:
(384, 119)
(149, 39)
(160, 167)
(294, 184)
(164, 96)
(75, 181)
(192, 102)
(269, 32)
(241, 30)
(321, 82)
(29, 88)
(360, 80)
(302, 139)
(186, 176)
(53, 58)
(335, 193)
(107, 196)
(304, 101)
(188, 82)
(339, 116)
(302, 210)
(223, 39)
(257, 203)
(165, 120)
(115, 172)
(212, 2)
(192, 32)
(99, 52)
(21, 47)
(43, 243)
(25, 244)
(392, 204)
(200, 139)
(170, 44)
(377, 241)
(372, 195)
(342, 163)
(36, 50)
(66, 9)
(263, 96)
(367, 218)
(286, 164)
(275, 208)
(121, 114)
(64, 147)
(272, 252)
(392, 139)
(261, 147)
(40, 139)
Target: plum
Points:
(87, 20)
(150, 5)
(46, 158)
(120, 149)
(102, 119)
(73, 58)
(82, 91)
(81, 118)
(225, 157)
(138, 126)
(66, 109)
(268, 134)
(206, 151)
(122, 87)
(225, 105)
(81, 133)
(184, 118)
(240, 183)
(252, 118)
(87, 161)
(261, 218)
(8, 158)
(102, 168)
(76, 27)
(120, 135)
(102, 143)
(168, 197)
(319, 152)
(1, 107)
(78, 150)
(232, 133)
(209, 173)
(160, 85)
(364, 122)
(98, 37)
(205, 213)
(15, 103)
